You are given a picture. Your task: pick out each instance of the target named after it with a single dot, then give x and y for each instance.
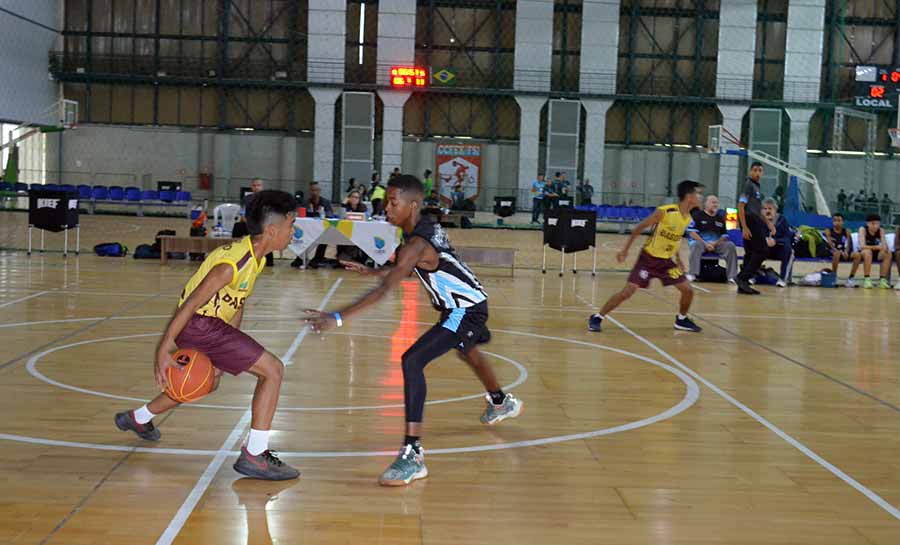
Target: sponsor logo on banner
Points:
(579, 223)
(379, 244)
(48, 203)
(73, 204)
(298, 233)
(458, 172)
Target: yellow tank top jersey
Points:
(228, 300)
(667, 235)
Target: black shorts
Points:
(469, 325)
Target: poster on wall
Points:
(458, 173)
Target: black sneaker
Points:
(125, 421)
(686, 324)
(744, 288)
(595, 323)
(266, 466)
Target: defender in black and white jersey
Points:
(462, 302)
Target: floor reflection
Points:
(255, 495)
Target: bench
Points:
(454, 218)
(200, 245)
(93, 203)
(489, 257)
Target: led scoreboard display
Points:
(408, 77)
(877, 87)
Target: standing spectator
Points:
(709, 234)
(556, 190)
(352, 186)
(842, 201)
(318, 207)
(841, 243)
(538, 191)
(781, 243)
(873, 203)
(394, 173)
(428, 182)
(564, 184)
(240, 228)
(873, 246)
(585, 192)
(886, 205)
(861, 200)
(376, 194)
(851, 201)
(755, 228)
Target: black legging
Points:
(755, 249)
(436, 342)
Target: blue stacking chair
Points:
(183, 196)
(116, 193)
(48, 187)
(132, 194)
(84, 192)
(6, 187)
(100, 193)
(167, 196)
(67, 187)
(21, 187)
(150, 195)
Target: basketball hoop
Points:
(895, 137)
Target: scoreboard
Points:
(877, 87)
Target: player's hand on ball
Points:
(319, 321)
(622, 256)
(164, 362)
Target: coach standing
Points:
(755, 227)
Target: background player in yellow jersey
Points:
(208, 319)
(669, 223)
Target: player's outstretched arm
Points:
(410, 254)
(217, 278)
(648, 222)
(365, 271)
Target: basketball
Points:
(192, 379)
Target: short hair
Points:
(427, 172)
(407, 183)
(557, 175)
(268, 206)
(756, 164)
(837, 215)
(770, 202)
(873, 217)
(687, 187)
(313, 184)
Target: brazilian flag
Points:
(445, 77)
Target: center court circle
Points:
(33, 371)
(692, 393)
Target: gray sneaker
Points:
(510, 408)
(407, 467)
(125, 421)
(265, 466)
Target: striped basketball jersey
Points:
(663, 242)
(228, 300)
(452, 285)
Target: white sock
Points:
(258, 442)
(143, 415)
(682, 316)
(602, 317)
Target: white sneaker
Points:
(752, 281)
(781, 284)
(732, 281)
(690, 277)
(850, 283)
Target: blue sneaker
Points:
(594, 322)
(407, 467)
(686, 324)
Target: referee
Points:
(756, 228)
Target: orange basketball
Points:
(192, 379)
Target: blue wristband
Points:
(337, 318)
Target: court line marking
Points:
(190, 503)
(837, 472)
(698, 287)
(288, 356)
(32, 369)
(794, 361)
(27, 297)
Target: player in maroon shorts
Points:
(669, 223)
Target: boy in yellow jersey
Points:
(669, 223)
(208, 319)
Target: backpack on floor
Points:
(145, 251)
(767, 277)
(110, 249)
(711, 271)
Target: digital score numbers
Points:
(409, 77)
(877, 87)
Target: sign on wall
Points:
(458, 171)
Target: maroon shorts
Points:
(649, 267)
(228, 348)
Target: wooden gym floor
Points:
(779, 424)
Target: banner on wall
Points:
(458, 172)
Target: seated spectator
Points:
(318, 207)
(841, 243)
(708, 234)
(354, 202)
(433, 200)
(872, 247)
(781, 245)
(352, 253)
